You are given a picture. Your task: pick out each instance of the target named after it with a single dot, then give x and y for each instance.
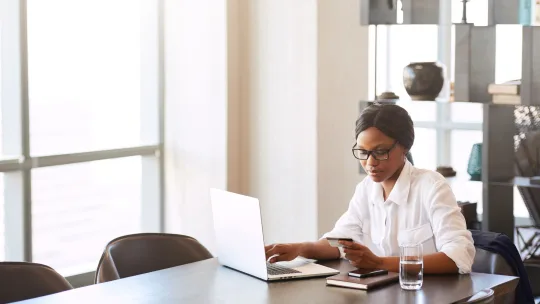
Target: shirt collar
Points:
(400, 193)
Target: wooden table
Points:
(209, 282)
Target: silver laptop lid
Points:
(238, 231)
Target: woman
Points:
(396, 204)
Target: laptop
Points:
(240, 242)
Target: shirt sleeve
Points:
(449, 227)
(349, 224)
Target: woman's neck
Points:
(389, 184)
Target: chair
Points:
(22, 281)
(489, 262)
(145, 252)
(496, 254)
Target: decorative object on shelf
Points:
(423, 80)
(464, 14)
(446, 171)
(387, 96)
(474, 168)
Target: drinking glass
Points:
(411, 267)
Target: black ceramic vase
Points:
(423, 80)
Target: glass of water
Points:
(411, 267)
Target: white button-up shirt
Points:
(421, 208)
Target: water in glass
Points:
(411, 267)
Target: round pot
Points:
(423, 80)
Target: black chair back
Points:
(21, 281)
(145, 252)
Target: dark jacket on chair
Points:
(502, 245)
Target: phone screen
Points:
(364, 273)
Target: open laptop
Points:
(240, 242)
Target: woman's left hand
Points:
(360, 256)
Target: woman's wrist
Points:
(304, 249)
(389, 263)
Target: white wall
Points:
(307, 69)
(195, 113)
(261, 98)
(342, 81)
(281, 91)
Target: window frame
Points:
(17, 163)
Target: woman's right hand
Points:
(283, 252)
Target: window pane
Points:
(84, 74)
(508, 52)
(520, 210)
(421, 111)
(477, 11)
(78, 208)
(467, 112)
(424, 148)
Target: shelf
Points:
(517, 181)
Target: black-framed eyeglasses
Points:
(378, 154)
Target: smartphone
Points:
(334, 241)
(365, 273)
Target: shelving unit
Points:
(474, 70)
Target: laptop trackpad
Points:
(306, 266)
(298, 262)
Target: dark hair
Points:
(392, 120)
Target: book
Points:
(506, 99)
(344, 280)
(508, 88)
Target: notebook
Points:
(344, 280)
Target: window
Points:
(77, 209)
(508, 43)
(85, 75)
(477, 12)
(82, 142)
(423, 152)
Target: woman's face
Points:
(376, 143)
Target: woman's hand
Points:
(360, 256)
(283, 252)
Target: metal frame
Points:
(15, 118)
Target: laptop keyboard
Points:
(274, 269)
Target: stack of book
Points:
(505, 93)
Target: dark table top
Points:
(209, 282)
